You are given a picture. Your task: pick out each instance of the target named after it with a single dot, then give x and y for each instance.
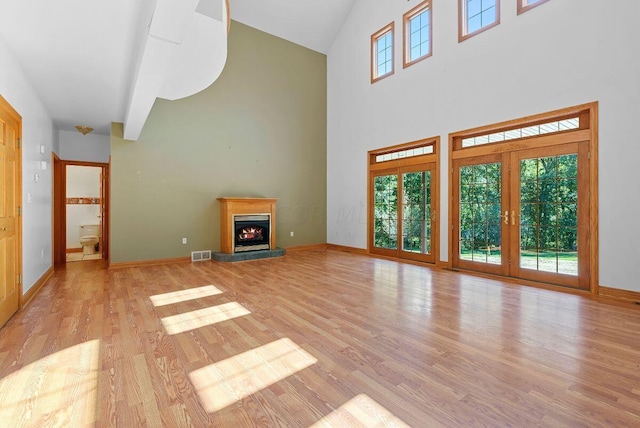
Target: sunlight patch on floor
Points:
(57, 390)
(184, 295)
(223, 383)
(360, 411)
(203, 317)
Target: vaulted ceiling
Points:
(85, 59)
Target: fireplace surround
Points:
(260, 213)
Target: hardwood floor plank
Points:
(389, 343)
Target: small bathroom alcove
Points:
(83, 212)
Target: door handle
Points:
(505, 217)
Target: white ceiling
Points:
(82, 55)
(313, 24)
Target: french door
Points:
(525, 214)
(403, 212)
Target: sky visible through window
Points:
(419, 31)
(480, 13)
(384, 55)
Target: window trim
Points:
(523, 6)
(376, 168)
(462, 21)
(374, 54)
(406, 38)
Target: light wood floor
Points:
(315, 339)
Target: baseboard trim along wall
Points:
(617, 293)
(310, 247)
(346, 249)
(140, 263)
(26, 298)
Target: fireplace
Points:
(258, 230)
(251, 232)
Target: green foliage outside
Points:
(416, 212)
(548, 210)
(385, 215)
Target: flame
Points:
(251, 233)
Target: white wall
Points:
(82, 182)
(56, 143)
(560, 54)
(37, 129)
(87, 148)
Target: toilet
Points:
(89, 237)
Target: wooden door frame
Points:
(59, 215)
(59, 220)
(587, 131)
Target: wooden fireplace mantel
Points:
(239, 206)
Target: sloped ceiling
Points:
(84, 57)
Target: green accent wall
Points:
(259, 131)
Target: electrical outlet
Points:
(291, 234)
(184, 240)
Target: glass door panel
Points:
(385, 211)
(479, 214)
(551, 201)
(416, 212)
(549, 214)
(403, 212)
(480, 209)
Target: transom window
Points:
(476, 16)
(417, 33)
(525, 5)
(382, 53)
(408, 153)
(527, 131)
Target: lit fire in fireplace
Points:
(251, 233)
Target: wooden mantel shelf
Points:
(240, 206)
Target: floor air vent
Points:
(198, 256)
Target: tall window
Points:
(525, 5)
(382, 53)
(475, 16)
(417, 33)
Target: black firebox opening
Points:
(251, 233)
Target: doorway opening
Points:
(81, 211)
